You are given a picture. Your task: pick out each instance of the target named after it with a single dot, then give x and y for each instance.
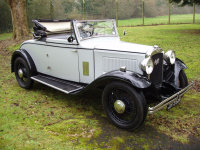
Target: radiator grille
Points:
(157, 74)
(110, 64)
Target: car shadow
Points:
(145, 137)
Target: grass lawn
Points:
(43, 118)
(186, 18)
(183, 39)
(5, 36)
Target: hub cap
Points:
(20, 73)
(119, 106)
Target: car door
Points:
(63, 59)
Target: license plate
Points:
(173, 104)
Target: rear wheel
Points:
(124, 107)
(23, 73)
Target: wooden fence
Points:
(143, 3)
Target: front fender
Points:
(171, 72)
(26, 56)
(179, 65)
(132, 78)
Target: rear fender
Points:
(26, 56)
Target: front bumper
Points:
(169, 100)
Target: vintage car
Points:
(74, 56)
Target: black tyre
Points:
(124, 107)
(23, 73)
(183, 82)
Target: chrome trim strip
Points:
(67, 92)
(169, 100)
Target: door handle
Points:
(74, 51)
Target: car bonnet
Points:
(123, 47)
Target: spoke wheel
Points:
(124, 107)
(124, 98)
(22, 73)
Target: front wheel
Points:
(124, 107)
(23, 73)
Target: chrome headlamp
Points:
(170, 57)
(147, 65)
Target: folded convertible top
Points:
(50, 26)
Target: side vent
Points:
(110, 64)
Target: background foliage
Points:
(94, 9)
(5, 17)
(186, 2)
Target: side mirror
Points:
(124, 33)
(70, 39)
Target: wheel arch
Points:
(26, 56)
(135, 80)
(132, 78)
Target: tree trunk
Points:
(19, 18)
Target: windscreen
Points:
(90, 29)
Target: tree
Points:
(186, 2)
(19, 18)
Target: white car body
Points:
(106, 56)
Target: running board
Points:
(58, 84)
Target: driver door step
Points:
(59, 84)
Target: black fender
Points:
(171, 72)
(179, 65)
(132, 78)
(26, 56)
(136, 80)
